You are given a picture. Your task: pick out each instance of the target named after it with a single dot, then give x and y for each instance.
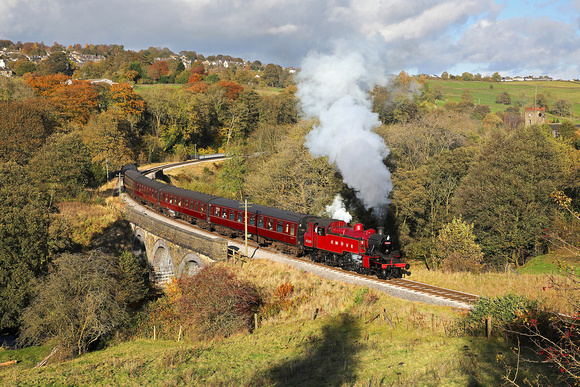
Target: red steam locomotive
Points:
(329, 241)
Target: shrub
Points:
(77, 304)
(503, 310)
(216, 303)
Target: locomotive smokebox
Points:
(381, 230)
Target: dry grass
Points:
(533, 286)
(89, 218)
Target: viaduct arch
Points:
(170, 251)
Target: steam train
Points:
(328, 241)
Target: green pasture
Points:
(485, 93)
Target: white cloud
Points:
(430, 35)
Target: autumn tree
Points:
(286, 176)
(158, 70)
(74, 100)
(232, 89)
(128, 103)
(108, 141)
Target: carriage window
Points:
(225, 214)
(270, 224)
(252, 220)
(240, 217)
(186, 203)
(287, 228)
(260, 222)
(279, 226)
(292, 230)
(232, 215)
(202, 207)
(196, 206)
(217, 211)
(179, 202)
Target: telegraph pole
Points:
(246, 224)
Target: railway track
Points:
(200, 158)
(413, 286)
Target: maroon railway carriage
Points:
(142, 188)
(185, 204)
(265, 222)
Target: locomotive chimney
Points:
(381, 230)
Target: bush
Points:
(503, 310)
(216, 303)
(77, 305)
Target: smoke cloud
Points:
(334, 88)
(337, 211)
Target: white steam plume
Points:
(335, 89)
(337, 211)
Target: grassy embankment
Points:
(485, 93)
(349, 342)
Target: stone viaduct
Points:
(171, 251)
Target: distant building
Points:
(534, 115)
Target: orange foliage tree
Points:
(128, 103)
(74, 100)
(198, 87)
(158, 69)
(232, 89)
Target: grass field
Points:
(485, 93)
(348, 343)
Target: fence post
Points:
(488, 327)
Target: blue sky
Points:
(523, 37)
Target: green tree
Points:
(562, 108)
(14, 90)
(503, 98)
(543, 100)
(568, 131)
(56, 63)
(63, 166)
(232, 173)
(24, 241)
(506, 193)
(23, 67)
(24, 128)
(76, 305)
(467, 76)
(496, 77)
(457, 249)
(480, 111)
(271, 75)
(445, 75)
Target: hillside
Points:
(485, 93)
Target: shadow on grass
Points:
(328, 359)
